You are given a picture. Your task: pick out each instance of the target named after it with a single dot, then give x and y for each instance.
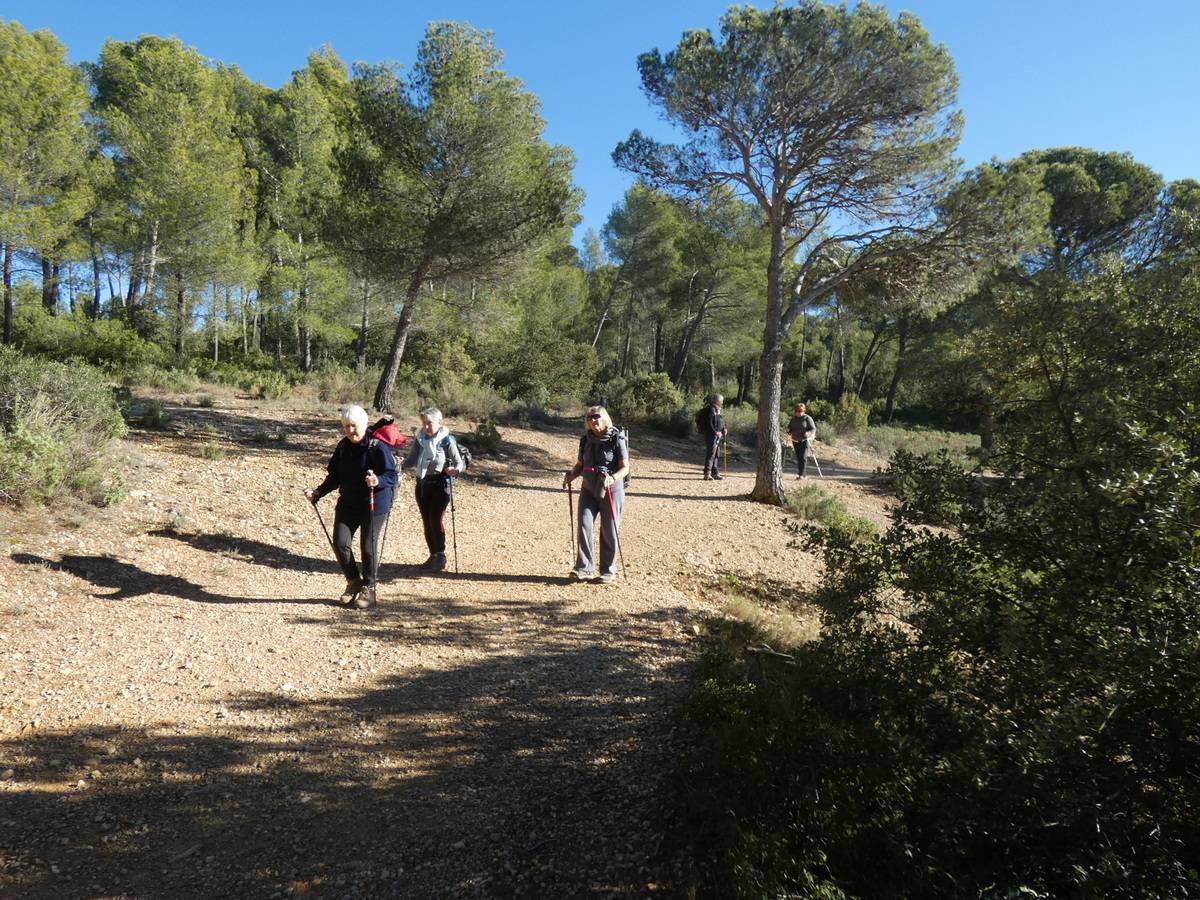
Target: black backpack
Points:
(703, 422)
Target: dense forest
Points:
(1003, 704)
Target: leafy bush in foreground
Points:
(1010, 708)
(57, 424)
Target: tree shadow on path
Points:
(534, 773)
(129, 581)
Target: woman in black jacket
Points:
(364, 473)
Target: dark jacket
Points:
(714, 424)
(348, 473)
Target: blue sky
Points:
(1104, 74)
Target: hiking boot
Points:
(577, 575)
(365, 598)
(717, 476)
(606, 578)
(352, 588)
(707, 476)
(437, 562)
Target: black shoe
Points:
(707, 476)
(365, 598)
(717, 477)
(437, 562)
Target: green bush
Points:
(485, 438)
(107, 343)
(545, 369)
(635, 396)
(268, 385)
(58, 423)
(178, 381)
(933, 489)
(341, 384)
(153, 414)
(211, 450)
(469, 400)
(849, 414)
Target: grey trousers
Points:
(591, 506)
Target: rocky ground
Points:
(186, 712)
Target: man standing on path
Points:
(712, 427)
(801, 429)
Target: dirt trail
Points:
(185, 711)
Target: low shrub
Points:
(485, 438)
(109, 344)
(341, 384)
(810, 502)
(268, 385)
(179, 381)
(469, 400)
(58, 423)
(886, 440)
(636, 396)
(211, 450)
(849, 414)
(152, 414)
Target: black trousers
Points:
(712, 452)
(345, 523)
(433, 496)
(801, 448)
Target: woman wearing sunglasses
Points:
(604, 463)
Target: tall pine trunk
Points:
(768, 479)
(861, 378)
(689, 336)
(49, 286)
(180, 315)
(889, 406)
(95, 311)
(362, 330)
(387, 381)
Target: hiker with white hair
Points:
(435, 460)
(364, 473)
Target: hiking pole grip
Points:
(371, 474)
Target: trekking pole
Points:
(612, 512)
(328, 536)
(571, 518)
(453, 524)
(725, 450)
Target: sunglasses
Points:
(594, 417)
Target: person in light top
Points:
(434, 459)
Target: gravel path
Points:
(185, 712)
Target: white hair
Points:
(432, 413)
(355, 414)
